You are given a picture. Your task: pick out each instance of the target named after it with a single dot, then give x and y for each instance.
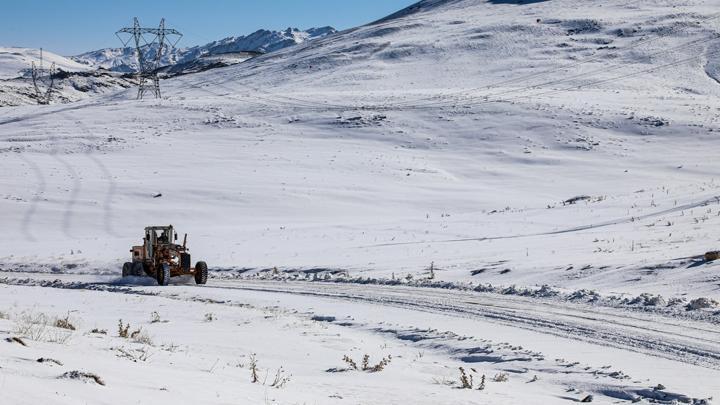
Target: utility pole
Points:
(43, 80)
(147, 64)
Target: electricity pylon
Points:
(43, 80)
(147, 65)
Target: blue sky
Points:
(70, 27)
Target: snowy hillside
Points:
(521, 189)
(453, 170)
(16, 62)
(262, 41)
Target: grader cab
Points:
(162, 258)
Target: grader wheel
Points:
(127, 270)
(201, 273)
(163, 275)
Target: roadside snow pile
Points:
(702, 303)
(644, 302)
(68, 265)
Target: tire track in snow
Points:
(109, 195)
(29, 216)
(637, 335)
(697, 343)
(69, 214)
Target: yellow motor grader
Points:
(162, 258)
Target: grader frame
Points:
(162, 258)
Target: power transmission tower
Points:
(147, 64)
(43, 80)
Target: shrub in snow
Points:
(365, 365)
(466, 380)
(253, 369)
(281, 378)
(123, 330)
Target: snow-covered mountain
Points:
(262, 41)
(16, 62)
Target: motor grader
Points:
(161, 257)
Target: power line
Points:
(147, 66)
(43, 80)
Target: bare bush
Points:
(350, 362)
(123, 330)
(155, 317)
(142, 337)
(39, 327)
(502, 377)
(254, 369)
(365, 365)
(32, 325)
(209, 317)
(466, 380)
(380, 366)
(137, 336)
(281, 378)
(134, 355)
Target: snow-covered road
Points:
(692, 341)
(642, 343)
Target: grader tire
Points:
(163, 275)
(127, 270)
(201, 272)
(138, 269)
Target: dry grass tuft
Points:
(281, 378)
(254, 369)
(47, 360)
(16, 340)
(64, 323)
(380, 366)
(502, 377)
(81, 375)
(140, 336)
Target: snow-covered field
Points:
(555, 166)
